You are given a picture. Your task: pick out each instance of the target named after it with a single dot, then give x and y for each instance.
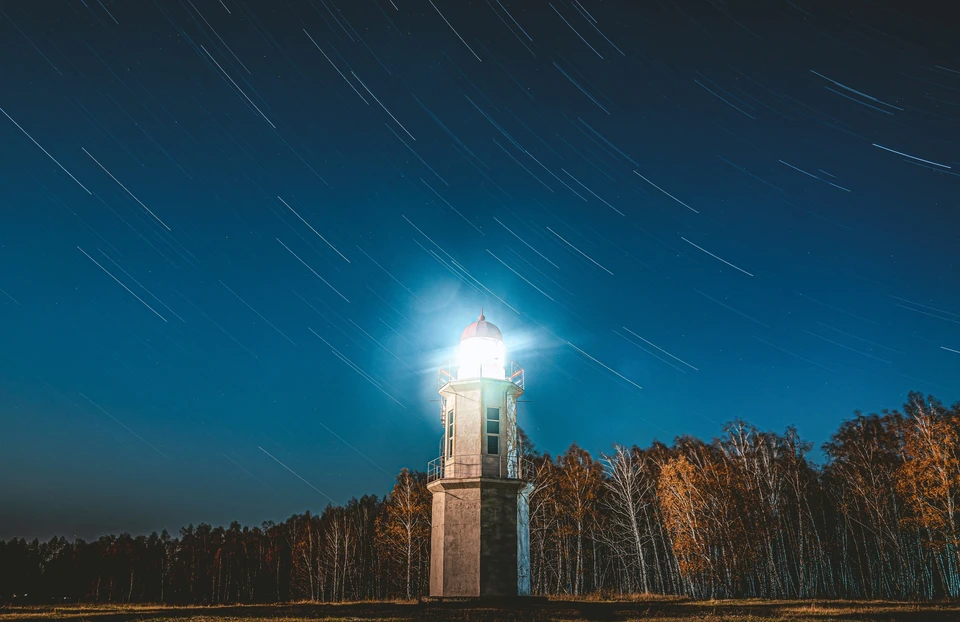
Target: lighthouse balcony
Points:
(510, 371)
(481, 465)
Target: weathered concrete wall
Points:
(511, 444)
(474, 544)
(468, 414)
(438, 517)
(501, 395)
(469, 399)
(523, 540)
(498, 535)
(455, 538)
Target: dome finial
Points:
(481, 318)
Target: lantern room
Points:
(482, 354)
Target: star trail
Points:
(238, 239)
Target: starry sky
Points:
(239, 238)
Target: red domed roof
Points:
(481, 328)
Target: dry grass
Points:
(640, 607)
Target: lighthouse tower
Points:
(480, 541)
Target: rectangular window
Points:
(450, 436)
(493, 431)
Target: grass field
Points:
(660, 609)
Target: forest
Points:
(745, 515)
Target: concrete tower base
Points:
(475, 550)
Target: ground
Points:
(659, 609)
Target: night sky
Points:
(238, 239)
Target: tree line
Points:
(745, 515)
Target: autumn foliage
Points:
(745, 515)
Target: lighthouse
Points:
(480, 540)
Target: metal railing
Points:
(481, 465)
(447, 373)
(512, 372)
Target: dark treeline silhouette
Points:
(371, 548)
(746, 515)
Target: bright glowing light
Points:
(481, 357)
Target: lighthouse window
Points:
(493, 431)
(450, 433)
